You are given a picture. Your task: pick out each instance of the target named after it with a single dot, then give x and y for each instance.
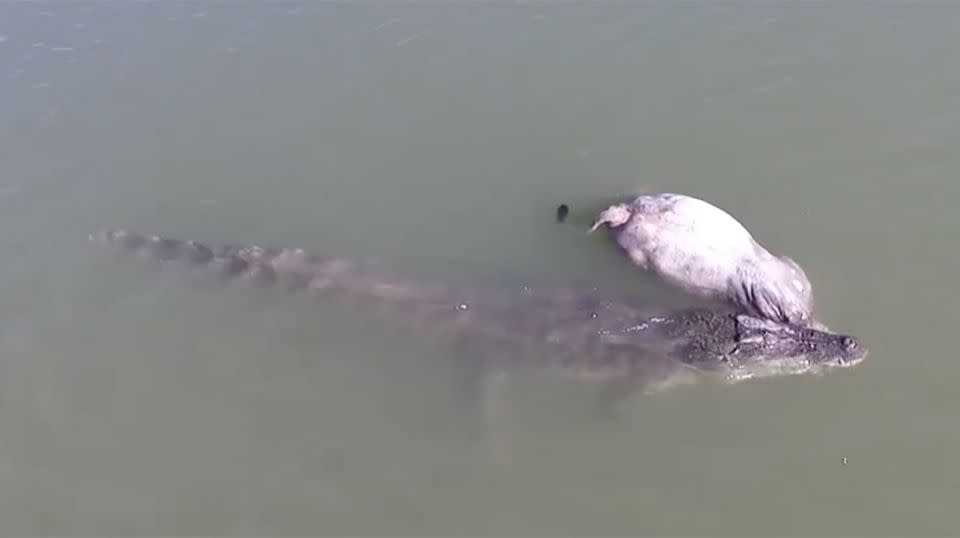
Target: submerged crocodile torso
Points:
(575, 331)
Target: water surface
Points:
(439, 137)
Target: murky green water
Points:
(439, 137)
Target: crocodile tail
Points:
(291, 268)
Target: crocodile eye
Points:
(849, 343)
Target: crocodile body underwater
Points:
(638, 346)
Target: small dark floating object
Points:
(562, 212)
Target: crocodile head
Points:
(741, 347)
(764, 348)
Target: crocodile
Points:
(633, 345)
